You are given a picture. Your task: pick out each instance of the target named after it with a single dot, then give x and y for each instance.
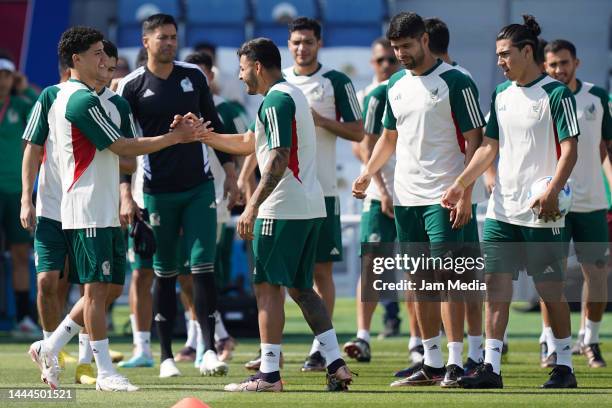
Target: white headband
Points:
(6, 65)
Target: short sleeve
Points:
(389, 119)
(463, 98)
(128, 125)
(278, 111)
(85, 113)
(345, 96)
(37, 127)
(606, 104)
(563, 111)
(492, 129)
(373, 110)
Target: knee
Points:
(114, 292)
(96, 292)
(20, 254)
(142, 280)
(47, 283)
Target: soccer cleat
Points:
(27, 329)
(47, 363)
(66, 358)
(116, 356)
(225, 348)
(392, 329)
(358, 349)
(561, 377)
(255, 384)
(593, 355)
(314, 362)
(187, 354)
(425, 376)
(470, 367)
(407, 372)
(417, 354)
(254, 364)
(115, 382)
(340, 380)
(168, 369)
(140, 360)
(484, 377)
(453, 372)
(84, 374)
(211, 365)
(550, 361)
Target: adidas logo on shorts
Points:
(334, 251)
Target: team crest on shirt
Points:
(317, 93)
(433, 95)
(186, 85)
(535, 110)
(590, 112)
(12, 116)
(106, 268)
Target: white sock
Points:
(363, 335)
(220, 331)
(270, 357)
(550, 337)
(475, 348)
(46, 334)
(591, 332)
(542, 335)
(142, 340)
(85, 353)
(493, 353)
(328, 343)
(65, 331)
(316, 347)
(192, 334)
(433, 352)
(103, 358)
(455, 351)
(199, 339)
(134, 328)
(563, 347)
(414, 341)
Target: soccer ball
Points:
(565, 195)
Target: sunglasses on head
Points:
(390, 60)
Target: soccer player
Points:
(335, 109)
(533, 128)
(179, 191)
(586, 222)
(439, 38)
(377, 217)
(284, 214)
(86, 145)
(427, 94)
(13, 117)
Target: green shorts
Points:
(285, 251)
(589, 231)
(139, 263)
(97, 255)
(195, 213)
(50, 246)
(375, 226)
(427, 223)
(329, 245)
(506, 251)
(10, 207)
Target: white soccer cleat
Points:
(168, 369)
(47, 363)
(212, 366)
(115, 383)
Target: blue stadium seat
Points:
(130, 14)
(265, 15)
(221, 22)
(352, 22)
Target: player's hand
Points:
(189, 117)
(27, 215)
(246, 223)
(547, 206)
(360, 185)
(128, 211)
(489, 182)
(386, 204)
(451, 197)
(461, 214)
(231, 191)
(318, 119)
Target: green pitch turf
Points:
(521, 373)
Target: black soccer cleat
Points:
(407, 372)
(561, 377)
(314, 362)
(470, 367)
(453, 372)
(550, 361)
(593, 355)
(484, 377)
(359, 349)
(425, 376)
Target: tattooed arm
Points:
(270, 177)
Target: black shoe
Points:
(453, 372)
(417, 353)
(425, 376)
(593, 355)
(314, 362)
(359, 349)
(550, 361)
(470, 367)
(407, 372)
(484, 377)
(391, 329)
(561, 377)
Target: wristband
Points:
(461, 183)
